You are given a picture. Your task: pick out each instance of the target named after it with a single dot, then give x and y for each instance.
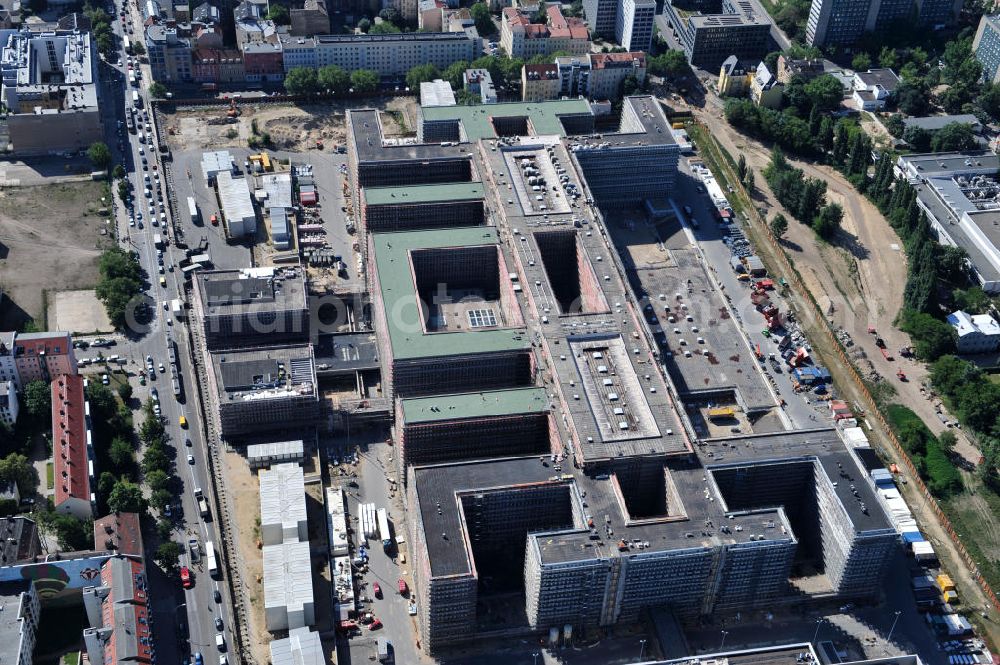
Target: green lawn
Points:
(50, 475)
(72, 658)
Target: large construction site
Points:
(541, 417)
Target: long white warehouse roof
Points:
(301, 647)
(283, 504)
(287, 576)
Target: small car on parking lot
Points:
(186, 577)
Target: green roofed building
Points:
(446, 315)
(563, 117)
(494, 423)
(422, 206)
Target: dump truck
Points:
(721, 413)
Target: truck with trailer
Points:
(157, 241)
(193, 210)
(211, 560)
(383, 528)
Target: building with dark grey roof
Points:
(251, 306)
(742, 28)
(20, 540)
(264, 389)
(18, 621)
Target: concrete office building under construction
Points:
(422, 206)
(544, 450)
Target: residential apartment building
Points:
(263, 62)
(19, 619)
(394, 54)
(169, 54)
(574, 75)
(43, 356)
(310, 19)
(120, 615)
(8, 353)
(297, 52)
(520, 38)
(73, 447)
(430, 15)
(806, 69)
(734, 78)
(634, 24)
(608, 72)
(986, 47)
(480, 82)
(539, 82)
(742, 28)
(9, 406)
(213, 66)
(251, 26)
(765, 89)
(872, 89)
(50, 88)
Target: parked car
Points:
(186, 578)
(375, 625)
(377, 589)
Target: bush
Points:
(941, 476)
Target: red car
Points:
(403, 589)
(377, 589)
(375, 625)
(186, 577)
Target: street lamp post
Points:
(535, 656)
(888, 639)
(642, 649)
(723, 643)
(819, 622)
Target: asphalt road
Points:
(803, 411)
(150, 339)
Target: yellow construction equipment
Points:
(721, 412)
(261, 162)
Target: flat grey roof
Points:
(276, 370)
(441, 484)
(936, 122)
(366, 130)
(346, 352)
(251, 290)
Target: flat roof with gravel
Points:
(457, 191)
(399, 297)
(474, 405)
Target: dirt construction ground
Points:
(294, 128)
(77, 312)
(50, 239)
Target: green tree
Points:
(828, 220)
(364, 25)
(158, 480)
(973, 300)
(301, 81)
(932, 337)
(953, 137)
(121, 454)
(862, 62)
(152, 429)
(278, 14)
(741, 167)
(421, 74)
(749, 182)
(453, 74)
(392, 15)
(73, 534)
(887, 58)
(38, 400)
(779, 226)
(949, 373)
(164, 528)
(118, 172)
(105, 483)
(484, 22)
(160, 499)
(384, 28)
(155, 459)
(912, 98)
(947, 440)
(158, 90)
(669, 63)
(824, 91)
(15, 468)
(334, 79)
(126, 497)
(168, 555)
(100, 155)
(125, 391)
(364, 81)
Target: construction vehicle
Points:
(261, 163)
(721, 413)
(234, 111)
